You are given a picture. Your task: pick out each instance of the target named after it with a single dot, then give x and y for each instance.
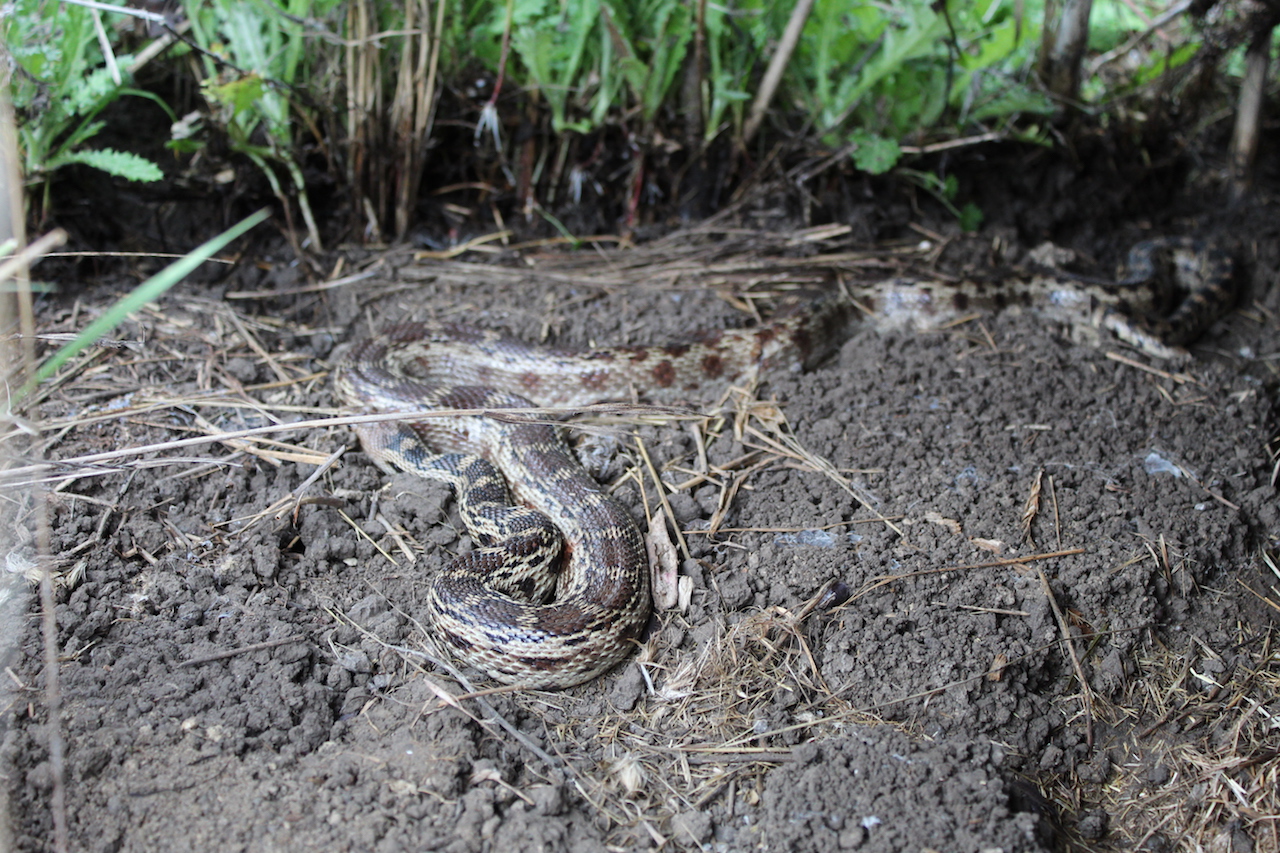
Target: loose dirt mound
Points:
(1005, 511)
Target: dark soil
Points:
(238, 666)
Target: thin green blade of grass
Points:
(150, 289)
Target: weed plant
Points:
(870, 81)
(255, 66)
(62, 71)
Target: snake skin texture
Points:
(1173, 289)
(558, 591)
(491, 606)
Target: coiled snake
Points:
(558, 591)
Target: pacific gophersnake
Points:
(516, 609)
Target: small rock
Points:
(355, 660)
(1093, 825)
(363, 611)
(692, 826)
(40, 777)
(548, 800)
(628, 687)
(851, 837)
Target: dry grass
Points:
(709, 729)
(1195, 748)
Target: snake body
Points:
(527, 607)
(1172, 290)
(558, 591)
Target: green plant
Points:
(870, 75)
(969, 215)
(553, 43)
(871, 80)
(60, 82)
(585, 57)
(1132, 51)
(865, 76)
(650, 38)
(255, 61)
(731, 58)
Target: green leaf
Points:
(1158, 65)
(81, 134)
(122, 164)
(950, 187)
(1018, 99)
(238, 94)
(522, 12)
(94, 92)
(997, 44)
(970, 217)
(552, 50)
(184, 146)
(874, 154)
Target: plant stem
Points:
(778, 64)
(1062, 48)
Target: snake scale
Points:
(558, 590)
